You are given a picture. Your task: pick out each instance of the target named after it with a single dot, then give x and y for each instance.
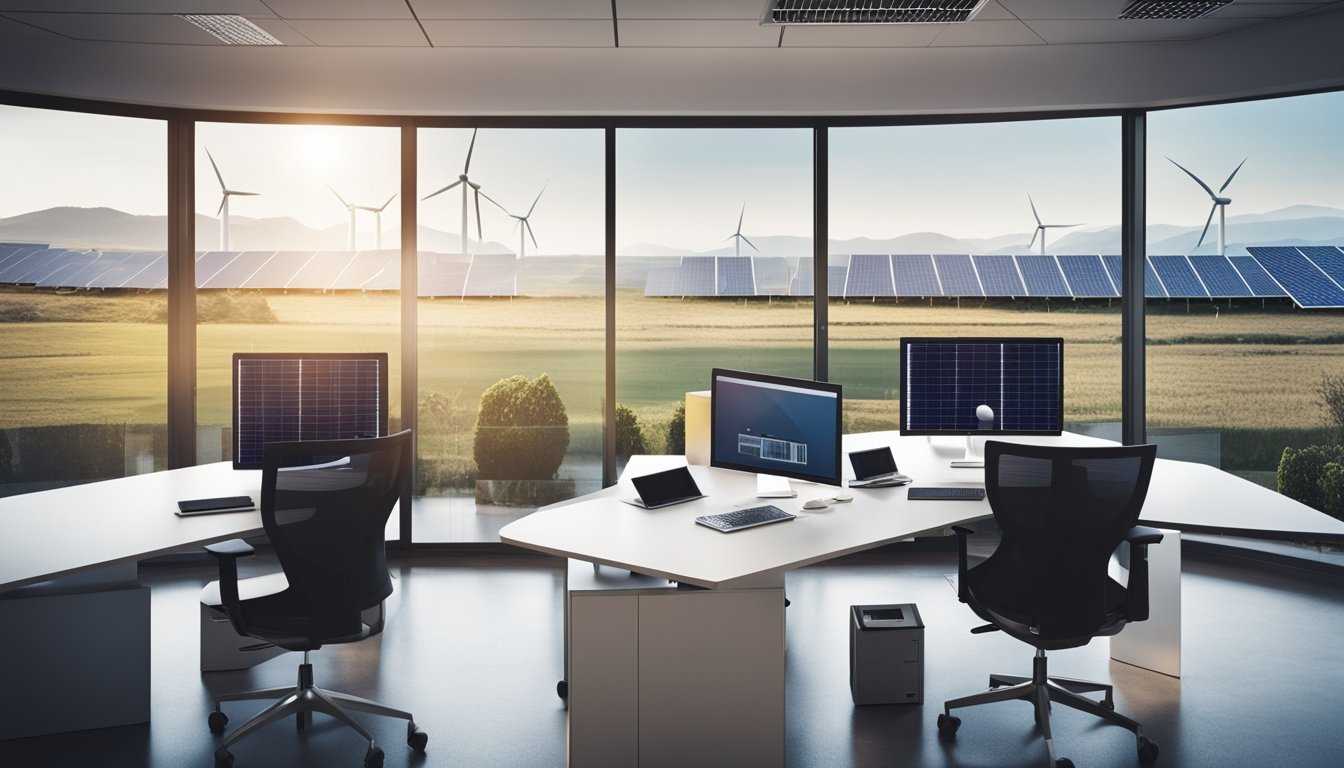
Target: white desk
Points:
(74, 649)
(666, 543)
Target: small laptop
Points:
(663, 489)
(875, 468)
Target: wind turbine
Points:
(465, 184)
(349, 230)
(1219, 204)
(737, 237)
(377, 220)
(525, 226)
(1040, 228)
(223, 212)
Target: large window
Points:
(995, 229)
(83, 334)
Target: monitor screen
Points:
(976, 386)
(305, 396)
(775, 426)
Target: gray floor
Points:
(473, 648)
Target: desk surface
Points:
(82, 527)
(666, 542)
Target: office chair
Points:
(324, 505)
(1063, 511)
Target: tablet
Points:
(662, 489)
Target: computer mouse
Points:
(815, 504)
(842, 497)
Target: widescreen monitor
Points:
(982, 386)
(774, 425)
(305, 396)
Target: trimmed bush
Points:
(676, 430)
(1302, 470)
(1331, 392)
(522, 430)
(629, 439)
(1332, 490)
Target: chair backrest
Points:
(325, 504)
(1063, 511)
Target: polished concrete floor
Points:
(473, 648)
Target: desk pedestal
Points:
(661, 676)
(1156, 643)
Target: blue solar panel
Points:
(233, 274)
(695, 276)
(153, 275)
(869, 275)
(1042, 276)
(735, 276)
(277, 272)
(957, 275)
(1329, 258)
(772, 275)
(64, 267)
(1152, 287)
(1255, 276)
(660, 281)
(914, 275)
(10, 252)
(90, 276)
(52, 261)
(802, 283)
(125, 269)
(835, 280)
(1178, 277)
(366, 266)
(1219, 276)
(208, 263)
(999, 275)
(24, 265)
(320, 271)
(1304, 281)
(1087, 277)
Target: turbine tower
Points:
(525, 226)
(737, 237)
(223, 212)
(377, 220)
(350, 229)
(1219, 204)
(1040, 228)
(465, 184)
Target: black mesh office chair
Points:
(325, 506)
(1063, 511)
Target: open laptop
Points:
(875, 468)
(663, 489)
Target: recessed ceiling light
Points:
(1171, 9)
(868, 11)
(231, 28)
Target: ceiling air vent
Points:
(1171, 9)
(869, 11)
(231, 28)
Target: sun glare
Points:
(317, 146)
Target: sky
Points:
(685, 188)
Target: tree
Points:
(522, 430)
(676, 430)
(629, 439)
(1331, 391)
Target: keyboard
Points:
(727, 522)
(946, 493)
(213, 505)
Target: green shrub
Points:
(676, 430)
(522, 430)
(1332, 490)
(1331, 392)
(1302, 470)
(629, 438)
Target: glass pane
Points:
(995, 229)
(713, 269)
(511, 321)
(83, 334)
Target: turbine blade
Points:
(1196, 178)
(481, 194)
(1234, 173)
(1206, 225)
(1033, 238)
(244, 194)
(1061, 225)
(218, 175)
(739, 218)
(528, 226)
(479, 237)
(222, 201)
(441, 191)
(1034, 214)
(338, 196)
(534, 202)
(748, 242)
(380, 208)
(471, 148)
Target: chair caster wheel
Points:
(947, 727)
(562, 689)
(415, 738)
(1147, 751)
(217, 721)
(223, 759)
(373, 758)
(1063, 762)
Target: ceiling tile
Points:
(120, 27)
(671, 33)
(338, 9)
(1064, 9)
(986, 33)
(519, 10)
(1240, 10)
(992, 11)
(869, 36)
(364, 32)
(1125, 30)
(241, 7)
(282, 31)
(690, 9)
(574, 33)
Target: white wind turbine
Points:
(737, 237)
(1040, 228)
(465, 184)
(223, 212)
(1219, 204)
(377, 220)
(350, 229)
(525, 226)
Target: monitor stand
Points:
(974, 457)
(774, 487)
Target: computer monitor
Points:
(981, 387)
(281, 396)
(775, 426)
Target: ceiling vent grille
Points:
(231, 28)
(869, 11)
(1171, 9)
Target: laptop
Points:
(875, 468)
(663, 489)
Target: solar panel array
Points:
(1304, 273)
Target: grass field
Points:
(91, 358)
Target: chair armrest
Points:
(1136, 592)
(962, 533)
(226, 553)
(1142, 534)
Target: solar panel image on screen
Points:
(1255, 276)
(305, 396)
(735, 276)
(956, 274)
(1300, 277)
(999, 276)
(914, 275)
(1178, 277)
(945, 381)
(1087, 277)
(1219, 277)
(1329, 258)
(1042, 275)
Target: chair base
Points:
(1041, 690)
(300, 702)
